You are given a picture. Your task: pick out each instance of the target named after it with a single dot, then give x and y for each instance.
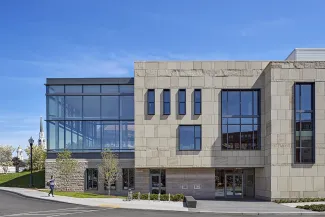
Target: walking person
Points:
(51, 184)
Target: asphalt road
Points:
(14, 205)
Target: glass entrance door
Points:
(155, 181)
(234, 185)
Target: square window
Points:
(189, 137)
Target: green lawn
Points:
(21, 180)
(82, 194)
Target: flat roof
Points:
(89, 81)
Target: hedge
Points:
(314, 207)
(163, 197)
(299, 200)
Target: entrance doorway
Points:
(234, 185)
(157, 182)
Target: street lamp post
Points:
(31, 142)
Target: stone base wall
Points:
(186, 181)
(142, 180)
(76, 179)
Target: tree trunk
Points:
(109, 188)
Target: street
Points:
(15, 205)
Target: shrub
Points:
(299, 200)
(314, 207)
(163, 197)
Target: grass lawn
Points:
(22, 179)
(82, 194)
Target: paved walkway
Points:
(101, 202)
(255, 206)
(203, 206)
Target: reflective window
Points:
(92, 134)
(55, 89)
(127, 135)
(182, 102)
(73, 89)
(166, 103)
(52, 135)
(113, 89)
(304, 116)
(110, 107)
(73, 106)
(189, 137)
(55, 107)
(60, 130)
(91, 106)
(73, 135)
(128, 178)
(126, 89)
(92, 179)
(151, 102)
(197, 102)
(240, 119)
(111, 135)
(91, 88)
(126, 107)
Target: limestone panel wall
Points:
(290, 180)
(198, 182)
(156, 139)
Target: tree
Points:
(6, 157)
(109, 168)
(17, 163)
(39, 157)
(65, 166)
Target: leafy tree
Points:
(6, 156)
(65, 166)
(18, 163)
(109, 168)
(39, 157)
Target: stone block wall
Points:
(290, 180)
(186, 180)
(156, 136)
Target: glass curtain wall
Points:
(90, 117)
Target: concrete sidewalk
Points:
(101, 202)
(213, 206)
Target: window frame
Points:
(197, 102)
(128, 178)
(166, 101)
(151, 102)
(312, 112)
(92, 175)
(240, 117)
(181, 102)
(194, 137)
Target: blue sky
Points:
(79, 38)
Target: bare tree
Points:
(109, 168)
(6, 157)
(65, 166)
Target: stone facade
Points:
(276, 175)
(156, 137)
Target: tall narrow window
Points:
(182, 102)
(166, 104)
(151, 101)
(305, 122)
(128, 178)
(197, 102)
(240, 119)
